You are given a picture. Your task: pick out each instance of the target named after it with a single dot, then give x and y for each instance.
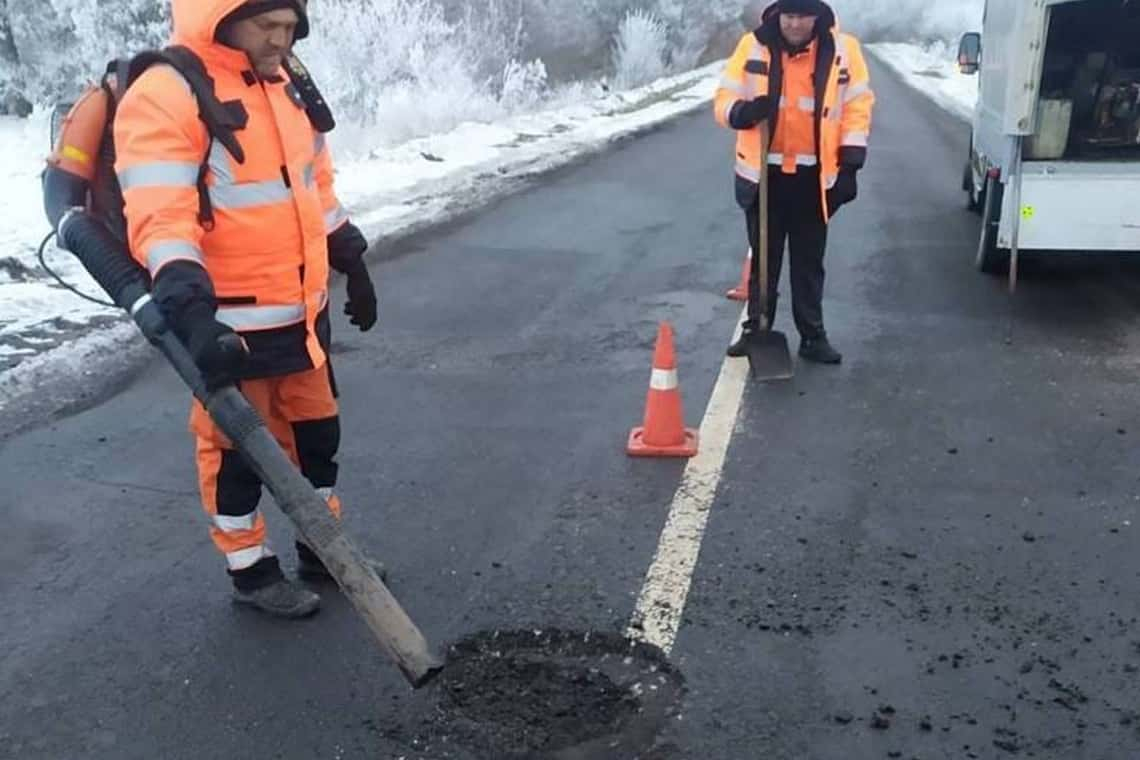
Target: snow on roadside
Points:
(933, 70)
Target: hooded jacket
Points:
(263, 263)
(841, 105)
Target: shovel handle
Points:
(396, 633)
(762, 237)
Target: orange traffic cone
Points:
(664, 433)
(740, 292)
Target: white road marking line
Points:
(657, 617)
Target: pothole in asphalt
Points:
(547, 695)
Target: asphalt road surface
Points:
(929, 552)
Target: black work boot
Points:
(739, 349)
(819, 350)
(281, 598)
(310, 567)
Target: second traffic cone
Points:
(664, 433)
(740, 292)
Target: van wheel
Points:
(990, 258)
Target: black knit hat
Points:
(257, 7)
(803, 7)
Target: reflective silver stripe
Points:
(733, 86)
(855, 90)
(806, 104)
(752, 81)
(165, 251)
(728, 111)
(229, 523)
(802, 159)
(663, 380)
(751, 86)
(747, 172)
(831, 180)
(248, 194)
(227, 193)
(243, 558)
(261, 317)
(335, 218)
(854, 139)
(325, 493)
(159, 174)
(138, 305)
(847, 92)
(835, 115)
(783, 101)
(309, 174)
(318, 144)
(219, 163)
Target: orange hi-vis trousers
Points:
(300, 411)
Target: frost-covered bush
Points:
(57, 46)
(396, 69)
(433, 56)
(639, 50)
(412, 70)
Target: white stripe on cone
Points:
(663, 380)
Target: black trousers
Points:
(795, 220)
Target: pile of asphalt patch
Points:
(544, 695)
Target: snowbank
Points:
(932, 69)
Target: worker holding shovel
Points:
(797, 91)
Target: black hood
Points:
(769, 29)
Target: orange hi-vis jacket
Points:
(823, 120)
(266, 253)
(793, 144)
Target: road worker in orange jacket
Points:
(260, 269)
(808, 82)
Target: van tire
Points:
(990, 258)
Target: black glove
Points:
(361, 304)
(845, 190)
(346, 255)
(746, 114)
(346, 248)
(219, 352)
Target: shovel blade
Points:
(769, 357)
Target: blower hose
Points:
(60, 280)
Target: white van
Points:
(1055, 153)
